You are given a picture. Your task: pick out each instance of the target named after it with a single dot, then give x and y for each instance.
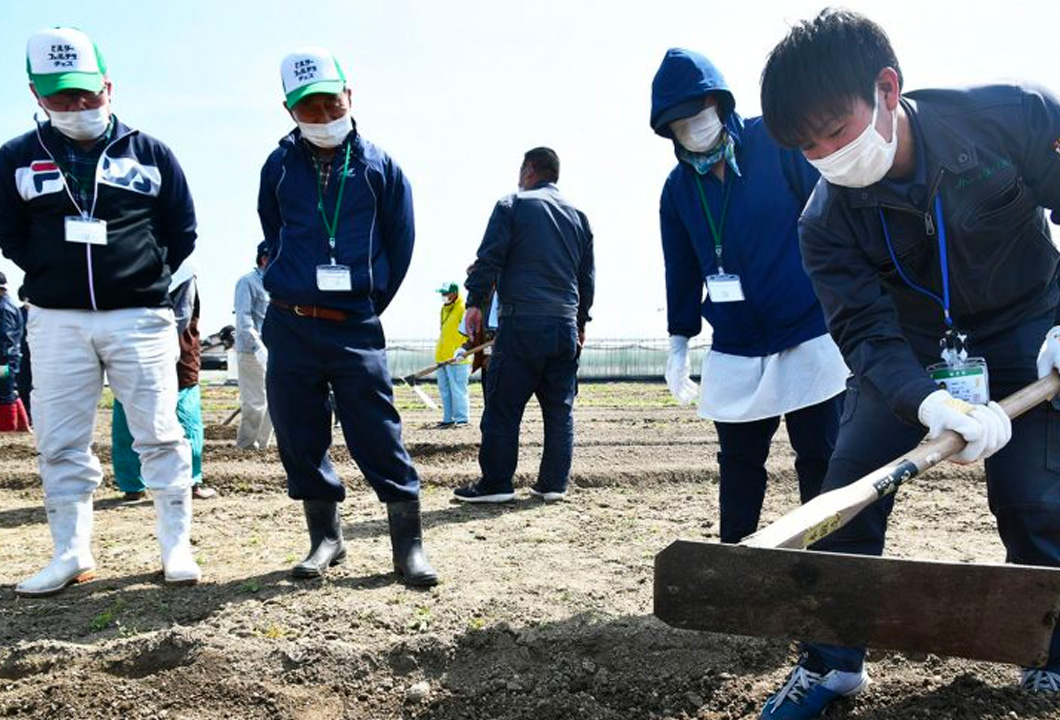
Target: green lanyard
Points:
(717, 230)
(333, 226)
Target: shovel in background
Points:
(768, 586)
(411, 380)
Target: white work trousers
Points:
(138, 349)
(255, 426)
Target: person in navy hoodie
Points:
(728, 216)
(337, 217)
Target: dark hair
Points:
(819, 69)
(22, 293)
(545, 163)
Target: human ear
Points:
(887, 82)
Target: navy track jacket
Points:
(140, 192)
(376, 229)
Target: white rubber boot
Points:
(70, 522)
(173, 508)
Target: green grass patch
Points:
(108, 617)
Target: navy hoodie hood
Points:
(685, 75)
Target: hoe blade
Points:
(999, 613)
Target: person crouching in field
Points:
(729, 214)
(337, 217)
(926, 240)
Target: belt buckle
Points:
(298, 311)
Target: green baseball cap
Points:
(449, 287)
(61, 58)
(310, 70)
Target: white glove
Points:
(677, 376)
(262, 355)
(459, 353)
(986, 428)
(1049, 355)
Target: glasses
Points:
(72, 100)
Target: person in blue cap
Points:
(728, 218)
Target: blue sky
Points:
(456, 91)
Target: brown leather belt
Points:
(312, 311)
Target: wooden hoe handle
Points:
(830, 511)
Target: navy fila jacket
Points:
(141, 193)
(375, 235)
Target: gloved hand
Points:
(459, 353)
(986, 428)
(677, 375)
(1049, 355)
(5, 372)
(262, 355)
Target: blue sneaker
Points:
(806, 694)
(1040, 680)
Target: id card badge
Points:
(333, 278)
(968, 381)
(724, 288)
(86, 230)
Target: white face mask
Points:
(327, 135)
(700, 132)
(81, 124)
(863, 161)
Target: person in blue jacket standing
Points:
(337, 216)
(728, 217)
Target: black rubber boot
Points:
(410, 561)
(325, 536)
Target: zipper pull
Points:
(929, 224)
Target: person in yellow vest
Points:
(452, 378)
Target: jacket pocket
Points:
(1001, 209)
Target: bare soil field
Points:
(544, 611)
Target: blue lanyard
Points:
(943, 301)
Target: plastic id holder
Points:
(968, 381)
(85, 230)
(333, 278)
(724, 288)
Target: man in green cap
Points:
(337, 216)
(452, 377)
(98, 215)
